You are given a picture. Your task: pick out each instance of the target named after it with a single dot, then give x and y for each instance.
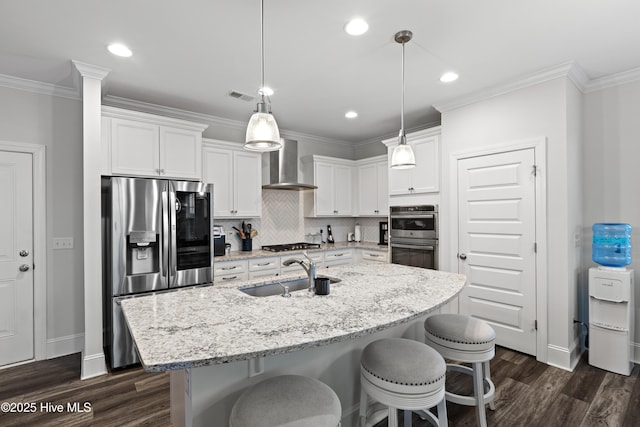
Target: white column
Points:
(93, 360)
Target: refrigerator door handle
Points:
(172, 236)
(165, 236)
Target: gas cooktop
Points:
(291, 247)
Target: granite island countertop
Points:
(220, 324)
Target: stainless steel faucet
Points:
(309, 267)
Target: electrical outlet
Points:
(63, 243)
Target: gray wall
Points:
(56, 123)
(541, 110)
(610, 172)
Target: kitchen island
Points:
(216, 340)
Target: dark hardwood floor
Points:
(528, 393)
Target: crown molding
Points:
(39, 87)
(618, 79)
(379, 139)
(116, 101)
(562, 70)
(90, 70)
(121, 113)
(414, 136)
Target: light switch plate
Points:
(63, 243)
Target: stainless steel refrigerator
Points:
(157, 236)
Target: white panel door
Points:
(16, 258)
(496, 208)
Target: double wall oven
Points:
(414, 235)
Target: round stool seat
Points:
(459, 332)
(403, 362)
(403, 374)
(291, 400)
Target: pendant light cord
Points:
(262, 48)
(402, 96)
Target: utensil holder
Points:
(247, 245)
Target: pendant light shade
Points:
(402, 156)
(262, 131)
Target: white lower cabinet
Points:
(338, 257)
(369, 255)
(264, 267)
(317, 257)
(230, 271)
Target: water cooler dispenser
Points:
(611, 299)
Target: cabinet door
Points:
(383, 188)
(399, 179)
(247, 184)
(218, 170)
(342, 188)
(368, 189)
(324, 179)
(179, 153)
(134, 148)
(426, 174)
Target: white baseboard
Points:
(559, 357)
(93, 365)
(635, 352)
(63, 346)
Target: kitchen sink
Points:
(276, 288)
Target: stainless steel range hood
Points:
(283, 168)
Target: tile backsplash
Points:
(283, 221)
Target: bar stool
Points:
(291, 400)
(403, 374)
(465, 339)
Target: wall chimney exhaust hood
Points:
(283, 168)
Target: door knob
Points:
(24, 267)
(462, 256)
(23, 253)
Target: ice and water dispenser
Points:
(611, 299)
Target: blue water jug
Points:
(611, 244)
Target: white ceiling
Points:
(190, 54)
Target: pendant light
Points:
(402, 157)
(262, 130)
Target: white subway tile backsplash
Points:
(283, 221)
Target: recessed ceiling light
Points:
(266, 91)
(119, 50)
(449, 77)
(351, 114)
(356, 27)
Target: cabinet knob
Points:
(462, 256)
(24, 267)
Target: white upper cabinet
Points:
(425, 177)
(140, 144)
(236, 176)
(372, 188)
(334, 179)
